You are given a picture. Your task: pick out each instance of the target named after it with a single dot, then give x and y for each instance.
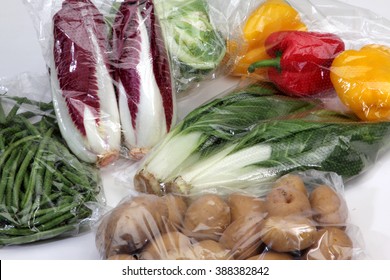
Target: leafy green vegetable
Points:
(255, 135)
(194, 43)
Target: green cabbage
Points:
(194, 43)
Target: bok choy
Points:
(255, 135)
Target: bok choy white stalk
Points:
(253, 136)
(82, 89)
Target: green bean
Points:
(50, 199)
(56, 221)
(68, 159)
(22, 176)
(46, 185)
(57, 211)
(81, 215)
(12, 113)
(67, 199)
(82, 171)
(16, 136)
(29, 126)
(10, 130)
(77, 182)
(41, 235)
(5, 213)
(12, 175)
(6, 174)
(35, 183)
(53, 208)
(2, 114)
(14, 145)
(16, 231)
(23, 186)
(29, 115)
(48, 178)
(41, 200)
(2, 144)
(65, 185)
(42, 106)
(29, 214)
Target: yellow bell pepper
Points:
(361, 79)
(269, 17)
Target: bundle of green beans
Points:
(45, 191)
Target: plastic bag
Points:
(45, 191)
(115, 69)
(255, 134)
(279, 41)
(302, 216)
(188, 69)
(195, 32)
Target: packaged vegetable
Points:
(146, 95)
(45, 191)
(255, 134)
(195, 43)
(270, 16)
(207, 231)
(300, 61)
(360, 79)
(116, 67)
(82, 89)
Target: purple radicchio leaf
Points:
(143, 77)
(161, 66)
(83, 91)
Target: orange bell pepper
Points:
(361, 79)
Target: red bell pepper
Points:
(300, 61)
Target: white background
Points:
(368, 197)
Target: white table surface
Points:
(368, 197)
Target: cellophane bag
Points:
(117, 66)
(195, 34)
(303, 215)
(46, 192)
(315, 48)
(254, 134)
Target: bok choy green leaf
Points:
(255, 135)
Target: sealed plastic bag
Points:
(256, 134)
(195, 32)
(115, 69)
(45, 191)
(292, 44)
(301, 216)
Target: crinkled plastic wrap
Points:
(46, 192)
(301, 216)
(254, 134)
(356, 26)
(195, 32)
(116, 67)
(358, 74)
(195, 35)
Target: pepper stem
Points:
(275, 62)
